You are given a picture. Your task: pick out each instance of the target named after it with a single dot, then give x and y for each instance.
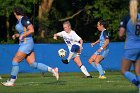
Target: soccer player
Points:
(74, 43)
(103, 50)
(130, 25)
(26, 48)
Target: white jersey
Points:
(70, 38)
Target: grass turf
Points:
(69, 83)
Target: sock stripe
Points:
(81, 65)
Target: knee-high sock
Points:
(14, 71)
(84, 70)
(41, 67)
(93, 64)
(100, 69)
(131, 77)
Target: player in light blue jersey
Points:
(130, 25)
(26, 48)
(103, 51)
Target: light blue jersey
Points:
(104, 35)
(26, 44)
(132, 43)
(132, 32)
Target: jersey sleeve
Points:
(124, 21)
(25, 22)
(60, 34)
(106, 34)
(76, 37)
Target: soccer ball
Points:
(62, 52)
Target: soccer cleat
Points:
(56, 74)
(102, 77)
(8, 83)
(65, 61)
(89, 76)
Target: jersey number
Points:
(137, 32)
(68, 42)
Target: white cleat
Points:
(8, 83)
(56, 74)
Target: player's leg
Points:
(137, 71)
(31, 61)
(74, 50)
(15, 68)
(98, 59)
(92, 59)
(126, 65)
(129, 55)
(77, 60)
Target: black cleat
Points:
(65, 61)
(89, 77)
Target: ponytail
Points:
(133, 10)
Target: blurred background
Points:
(47, 17)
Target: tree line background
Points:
(47, 17)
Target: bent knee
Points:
(90, 61)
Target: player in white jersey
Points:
(74, 43)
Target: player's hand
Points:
(92, 44)
(14, 36)
(21, 37)
(55, 38)
(65, 61)
(81, 47)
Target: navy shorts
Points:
(75, 48)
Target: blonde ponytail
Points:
(133, 10)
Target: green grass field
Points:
(69, 83)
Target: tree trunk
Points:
(44, 9)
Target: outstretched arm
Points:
(15, 36)
(92, 44)
(55, 36)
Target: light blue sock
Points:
(100, 69)
(15, 69)
(93, 64)
(40, 66)
(131, 77)
(138, 78)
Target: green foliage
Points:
(9, 41)
(109, 10)
(6, 6)
(84, 22)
